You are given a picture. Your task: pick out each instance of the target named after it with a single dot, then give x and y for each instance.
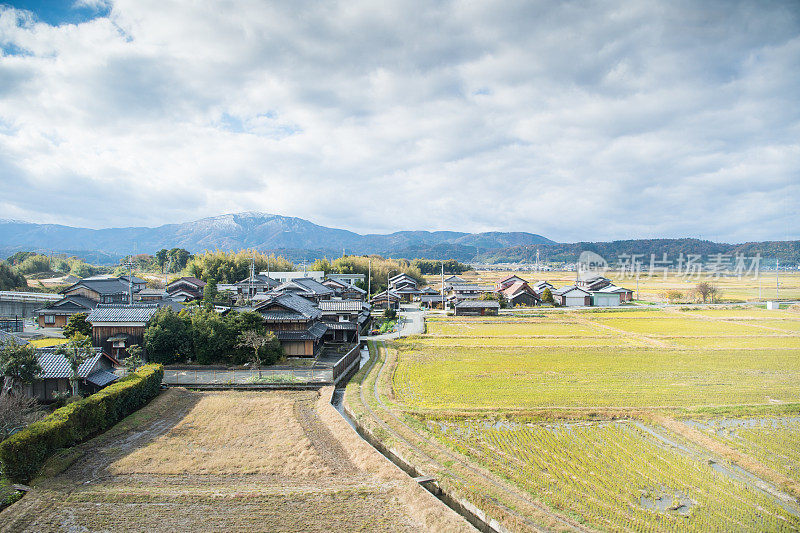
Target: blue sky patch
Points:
(56, 12)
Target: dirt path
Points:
(233, 461)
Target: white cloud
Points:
(577, 121)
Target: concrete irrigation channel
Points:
(476, 516)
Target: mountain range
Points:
(298, 239)
(294, 237)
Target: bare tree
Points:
(706, 291)
(16, 412)
(255, 340)
(76, 350)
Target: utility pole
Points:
(777, 279)
(442, 289)
(129, 264)
(369, 280)
(167, 268)
(252, 275)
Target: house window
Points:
(49, 319)
(119, 344)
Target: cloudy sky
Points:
(577, 120)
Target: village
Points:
(309, 313)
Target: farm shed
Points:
(605, 299)
(477, 308)
(572, 296)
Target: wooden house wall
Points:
(101, 334)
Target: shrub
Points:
(23, 454)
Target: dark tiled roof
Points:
(315, 332)
(9, 337)
(56, 366)
(104, 286)
(101, 378)
(307, 285)
(430, 298)
(465, 288)
(122, 313)
(69, 305)
(188, 280)
(296, 308)
(259, 280)
(478, 304)
(133, 279)
(340, 305)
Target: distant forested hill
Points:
(788, 252)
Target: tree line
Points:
(203, 336)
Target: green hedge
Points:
(24, 453)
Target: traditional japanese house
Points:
(385, 299)
(343, 318)
(57, 314)
(260, 283)
(115, 327)
(186, 289)
(344, 290)
(308, 288)
(94, 373)
(83, 296)
(295, 322)
(520, 293)
(508, 281)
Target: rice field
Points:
(775, 441)
(434, 378)
(683, 326)
(499, 392)
(618, 476)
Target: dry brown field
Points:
(228, 461)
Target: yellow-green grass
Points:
(528, 329)
(792, 326)
(497, 378)
(682, 326)
(44, 343)
(747, 312)
(742, 343)
(526, 342)
(615, 477)
(774, 442)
